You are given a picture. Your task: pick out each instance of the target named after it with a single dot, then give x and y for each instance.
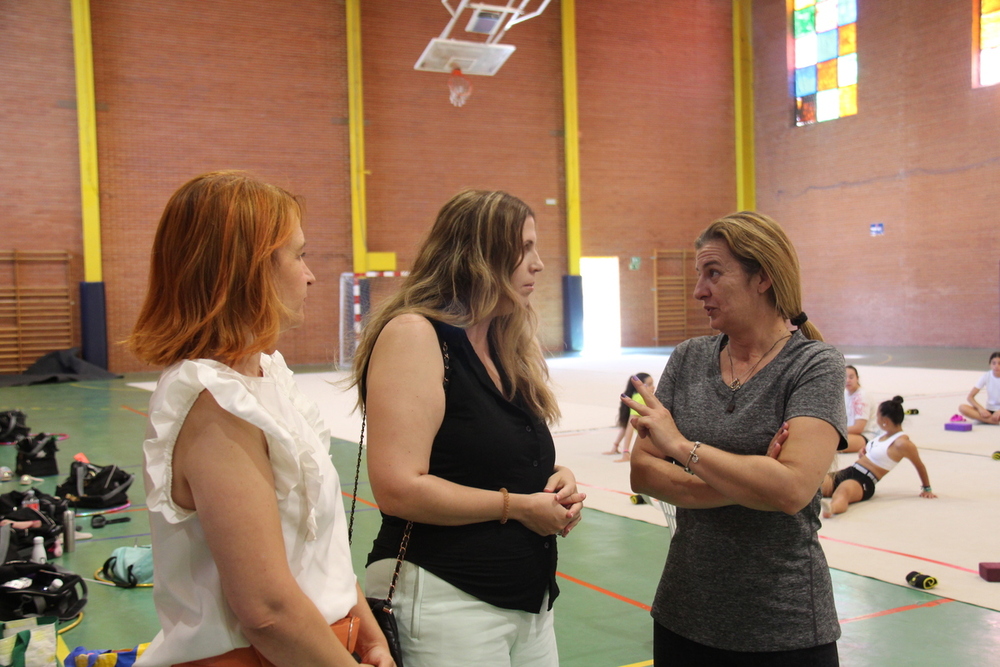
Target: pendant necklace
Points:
(736, 384)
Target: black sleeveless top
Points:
(486, 442)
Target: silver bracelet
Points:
(692, 458)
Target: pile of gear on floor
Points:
(39, 598)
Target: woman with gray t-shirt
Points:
(740, 432)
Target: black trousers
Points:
(672, 650)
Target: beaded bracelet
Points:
(506, 506)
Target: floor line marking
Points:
(602, 488)
(886, 612)
(899, 553)
(592, 587)
(640, 664)
(360, 500)
(138, 412)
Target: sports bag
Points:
(12, 424)
(36, 455)
(17, 541)
(129, 567)
(94, 486)
(40, 589)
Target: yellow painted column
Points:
(572, 139)
(356, 124)
(363, 260)
(86, 119)
(746, 185)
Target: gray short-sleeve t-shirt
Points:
(736, 578)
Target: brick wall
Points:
(185, 87)
(39, 157)
(921, 156)
(657, 135)
(421, 150)
(188, 87)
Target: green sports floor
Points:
(608, 568)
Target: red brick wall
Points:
(657, 135)
(185, 87)
(189, 87)
(39, 157)
(920, 157)
(421, 150)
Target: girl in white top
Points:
(857, 482)
(861, 422)
(991, 383)
(252, 565)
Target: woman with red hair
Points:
(252, 565)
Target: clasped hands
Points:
(554, 511)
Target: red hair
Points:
(211, 287)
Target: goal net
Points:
(360, 293)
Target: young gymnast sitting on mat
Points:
(857, 482)
(861, 423)
(991, 382)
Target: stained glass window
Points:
(989, 42)
(826, 58)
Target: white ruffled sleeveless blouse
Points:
(195, 619)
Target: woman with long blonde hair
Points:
(460, 458)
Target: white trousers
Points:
(441, 626)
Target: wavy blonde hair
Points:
(759, 243)
(212, 291)
(462, 276)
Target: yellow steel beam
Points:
(746, 186)
(356, 124)
(86, 120)
(572, 138)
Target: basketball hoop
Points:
(460, 87)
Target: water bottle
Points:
(69, 531)
(30, 500)
(38, 551)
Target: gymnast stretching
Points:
(856, 483)
(990, 381)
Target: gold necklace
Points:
(736, 384)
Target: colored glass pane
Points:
(805, 81)
(847, 11)
(827, 105)
(848, 36)
(848, 101)
(826, 15)
(826, 61)
(805, 51)
(803, 22)
(989, 67)
(826, 75)
(847, 70)
(989, 31)
(805, 110)
(827, 45)
(989, 6)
